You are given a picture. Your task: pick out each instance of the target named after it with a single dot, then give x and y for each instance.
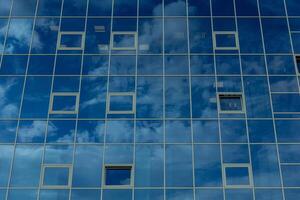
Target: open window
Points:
(118, 176)
(121, 103)
(225, 40)
(56, 176)
(64, 103)
(124, 41)
(298, 63)
(71, 41)
(231, 103)
(237, 175)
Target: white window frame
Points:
(123, 33)
(237, 165)
(75, 94)
(117, 166)
(232, 94)
(59, 47)
(215, 33)
(44, 166)
(110, 94)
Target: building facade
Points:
(149, 99)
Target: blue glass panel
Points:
(212, 194)
(154, 194)
(233, 131)
(92, 97)
(296, 42)
(116, 194)
(286, 130)
(199, 8)
(125, 24)
(292, 7)
(60, 131)
(224, 24)
(13, 65)
(200, 35)
(5, 159)
(64, 103)
(291, 175)
(253, 64)
(228, 64)
(49, 8)
(226, 40)
(265, 165)
(149, 166)
(268, 194)
(24, 8)
(206, 131)
(237, 176)
(24, 194)
(87, 194)
(174, 8)
(72, 24)
(207, 166)
(54, 194)
(229, 84)
(11, 91)
(95, 65)
(26, 167)
(176, 65)
(118, 131)
(150, 65)
(87, 170)
(3, 193)
(58, 154)
(204, 97)
(68, 65)
(291, 194)
(276, 36)
(124, 41)
(149, 97)
(118, 153)
(3, 27)
(74, 8)
(202, 65)
(122, 84)
(121, 103)
(231, 103)
(117, 176)
(31, 131)
(284, 84)
(281, 64)
(246, 7)
(235, 153)
(122, 65)
(5, 6)
(177, 131)
(8, 131)
(90, 131)
(18, 41)
(289, 153)
(250, 36)
(272, 8)
(56, 176)
(179, 166)
(261, 131)
(97, 8)
(125, 8)
(245, 194)
(150, 7)
(149, 131)
(179, 193)
(177, 97)
(41, 65)
(66, 84)
(286, 102)
(222, 8)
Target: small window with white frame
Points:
(121, 103)
(124, 41)
(117, 176)
(298, 63)
(237, 175)
(225, 40)
(231, 103)
(71, 41)
(64, 103)
(56, 176)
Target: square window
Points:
(71, 41)
(64, 103)
(231, 103)
(118, 175)
(237, 175)
(225, 40)
(124, 41)
(121, 103)
(56, 176)
(298, 63)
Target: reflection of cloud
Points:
(90, 133)
(29, 131)
(8, 108)
(119, 131)
(150, 34)
(176, 8)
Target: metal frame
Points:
(215, 33)
(76, 94)
(237, 165)
(118, 166)
(59, 47)
(132, 94)
(123, 33)
(44, 166)
(231, 94)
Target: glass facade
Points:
(149, 99)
